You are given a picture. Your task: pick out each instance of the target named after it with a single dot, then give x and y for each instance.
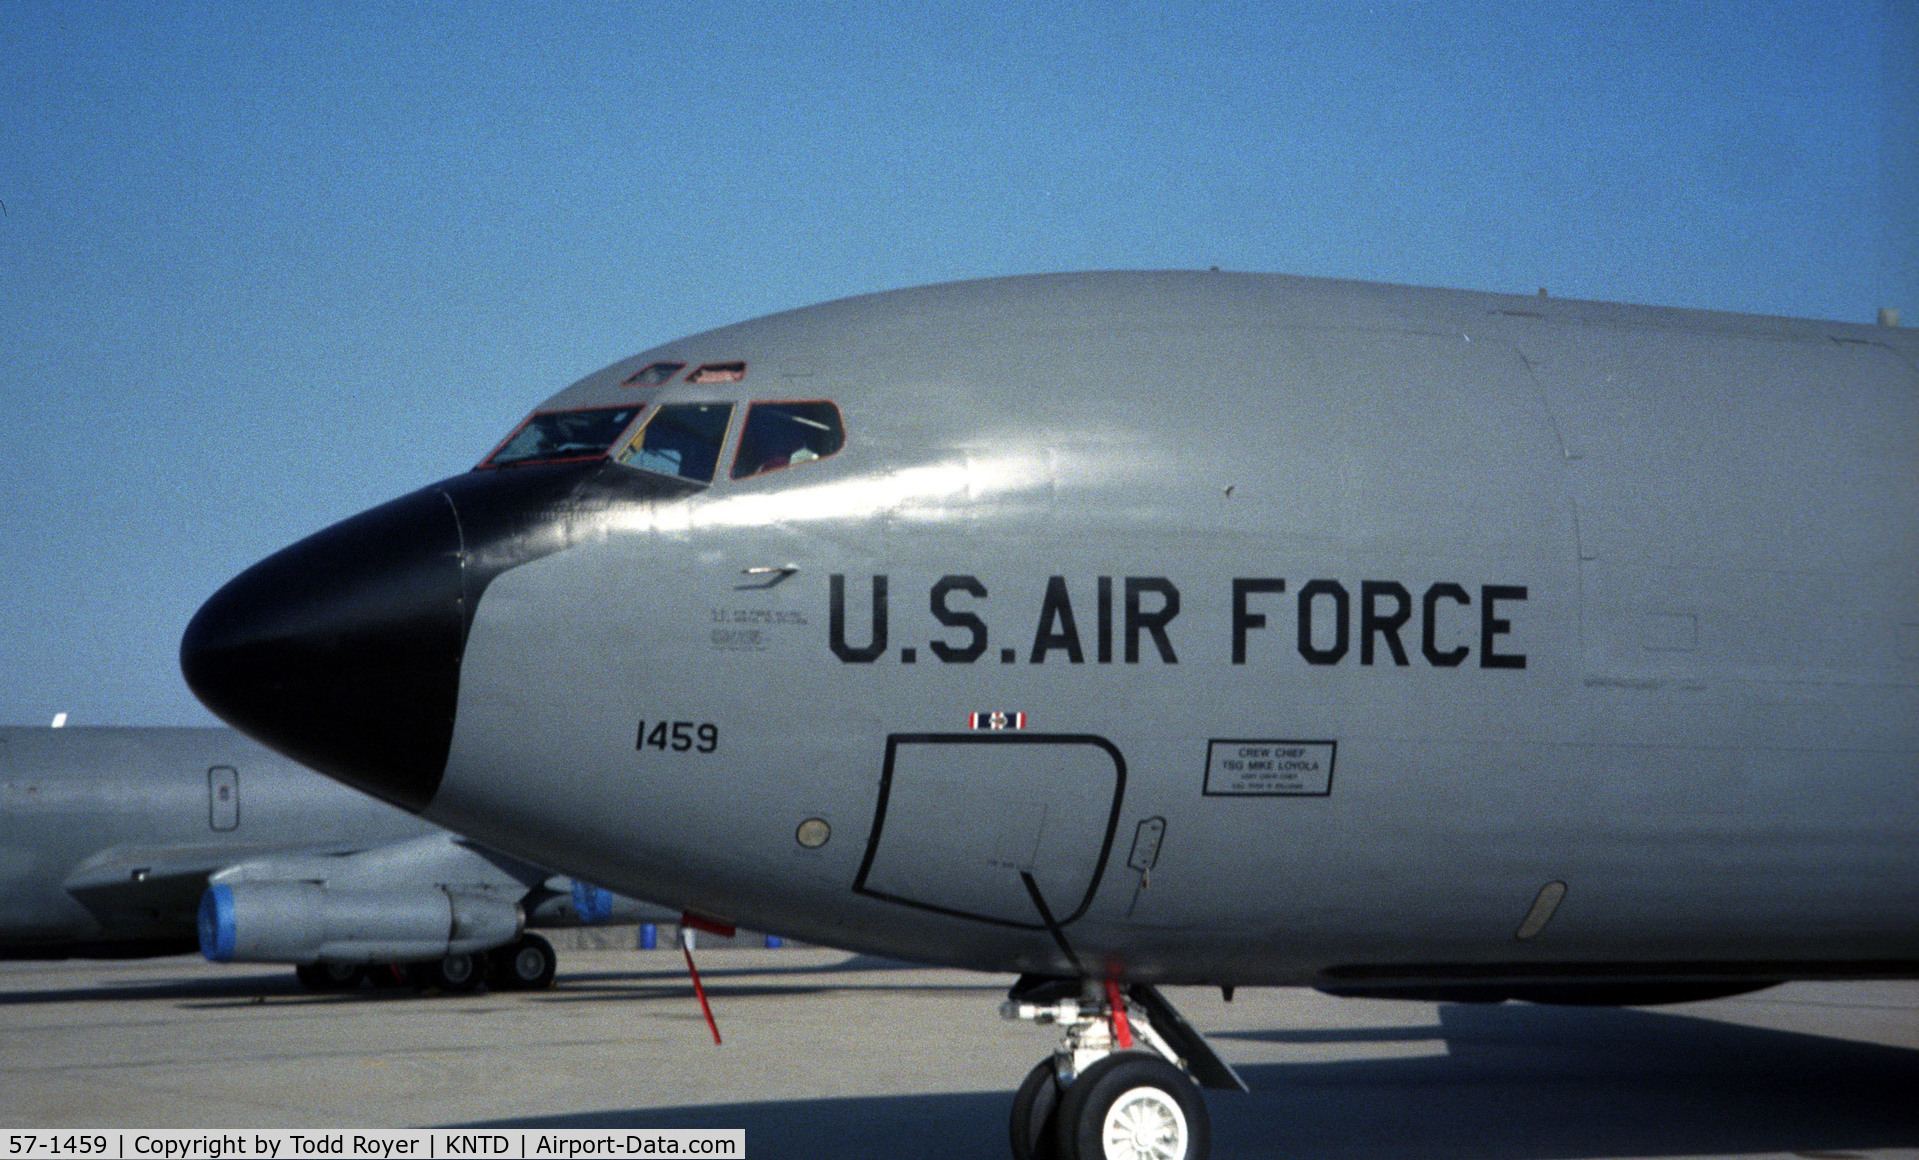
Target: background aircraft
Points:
(1122, 629)
(122, 842)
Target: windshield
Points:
(555, 436)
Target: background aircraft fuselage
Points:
(108, 835)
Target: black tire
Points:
(524, 965)
(1035, 1108)
(1132, 1089)
(329, 976)
(456, 974)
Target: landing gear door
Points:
(1009, 828)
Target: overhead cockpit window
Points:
(784, 434)
(681, 439)
(653, 374)
(721, 372)
(558, 436)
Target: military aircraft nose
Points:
(343, 650)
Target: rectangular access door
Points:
(1010, 828)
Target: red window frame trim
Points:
(747, 417)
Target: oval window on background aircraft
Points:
(681, 439)
(560, 436)
(784, 434)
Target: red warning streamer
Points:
(701, 992)
(1122, 1026)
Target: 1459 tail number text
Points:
(678, 736)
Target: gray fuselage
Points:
(1338, 632)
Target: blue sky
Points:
(267, 265)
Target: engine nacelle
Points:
(305, 922)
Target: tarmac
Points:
(827, 1054)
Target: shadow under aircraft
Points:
(1514, 1082)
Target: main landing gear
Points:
(1124, 1083)
(525, 964)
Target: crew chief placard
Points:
(1269, 768)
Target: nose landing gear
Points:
(1133, 1106)
(1118, 1087)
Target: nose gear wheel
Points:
(1098, 1097)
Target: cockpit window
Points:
(783, 434)
(557, 436)
(720, 372)
(653, 374)
(681, 439)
